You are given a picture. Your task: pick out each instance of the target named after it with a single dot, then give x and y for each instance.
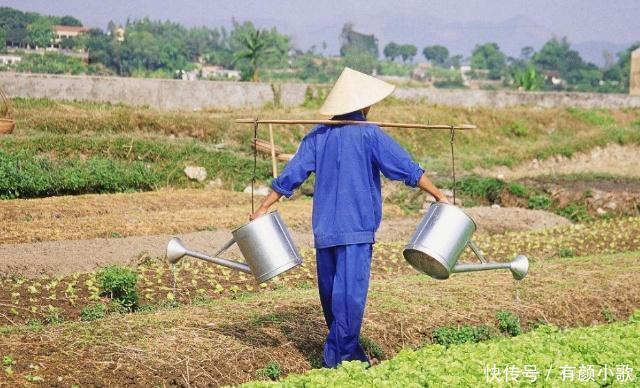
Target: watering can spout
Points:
(176, 251)
(519, 267)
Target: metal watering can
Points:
(441, 237)
(265, 244)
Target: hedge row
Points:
(589, 356)
(23, 175)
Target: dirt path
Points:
(63, 257)
(613, 159)
(226, 341)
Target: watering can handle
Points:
(477, 251)
(226, 246)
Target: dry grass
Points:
(226, 341)
(132, 214)
(506, 136)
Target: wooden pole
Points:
(351, 122)
(274, 163)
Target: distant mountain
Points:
(594, 51)
(409, 26)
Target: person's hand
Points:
(258, 213)
(443, 199)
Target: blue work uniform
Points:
(347, 209)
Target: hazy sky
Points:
(422, 22)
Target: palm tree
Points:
(254, 44)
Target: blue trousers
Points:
(343, 282)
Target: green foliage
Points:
(371, 347)
(438, 55)
(608, 315)
(24, 175)
(557, 55)
(540, 201)
(252, 46)
(40, 33)
(119, 283)
(489, 57)
(517, 189)
(481, 187)
(404, 51)
(394, 68)
(527, 79)
(566, 252)
(110, 164)
(53, 315)
(508, 323)
(592, 116)
(271, 371)
(70, 21)
(93, 312)
(445, 78)
(464, 365)
(447, 336)
(51, 63)
(575, 211)
(359, 60)
(517, 129)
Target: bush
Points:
(517, 129)
(270, 371)
(93, 312)
(576, 212)
(25, 175)
(517, 189)
(119, 283)
(487, 188)
(540, 201)
(447, 336)
(508, 323)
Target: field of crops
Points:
(591, 357)
(58, 298)
(103, 296)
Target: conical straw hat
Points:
(354, 91)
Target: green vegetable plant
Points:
(447, 336)
(508, 323)
(119, 283)
(93, 312)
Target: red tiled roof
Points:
(70, 29)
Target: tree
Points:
(391, 51)
(557, 55)
(3, 40)
(527, 79)
(355, 41)
(360, 60)
(407, 52)
(254, 45)
(526, 53)
(489, 57)
(437, 54)
(456, 61)
(40, 33)
(70, 21)
(620, 70)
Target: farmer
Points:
(347, 203)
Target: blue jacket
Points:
(347, 161)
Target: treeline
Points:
(147, 48)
